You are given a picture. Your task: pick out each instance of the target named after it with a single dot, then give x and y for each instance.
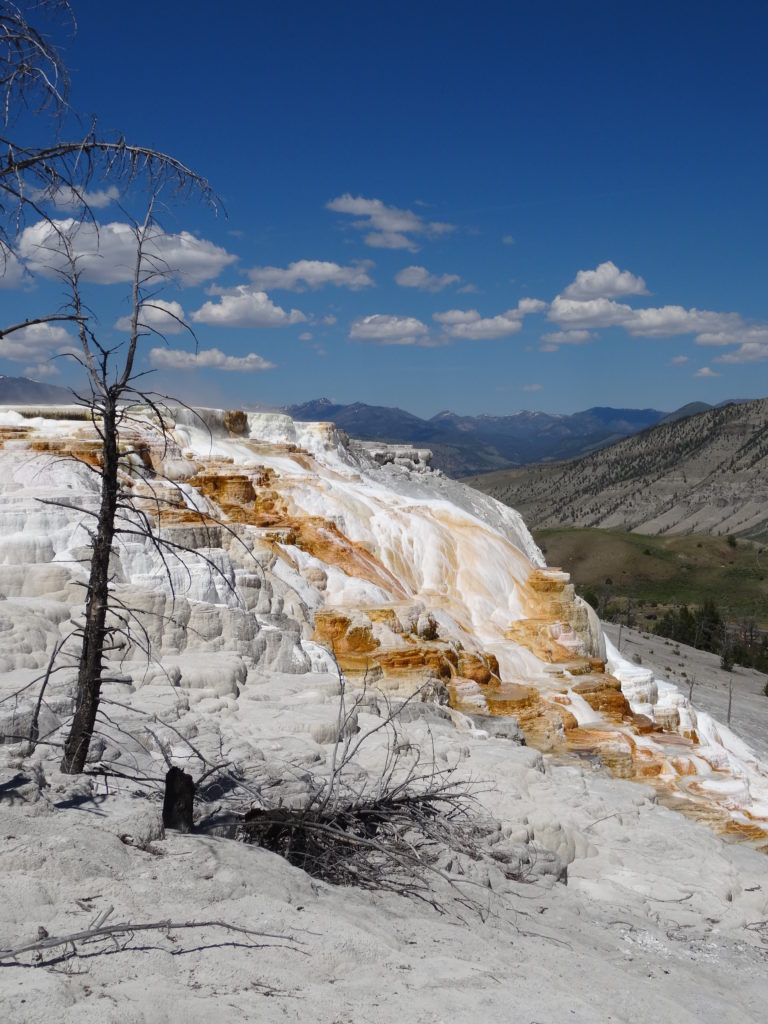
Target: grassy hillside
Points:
(662, 571)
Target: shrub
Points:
(591, 598)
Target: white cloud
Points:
(554, 339)
(576, 314)
(305, 336)
(651, 322)
(11, 271)
(41, 370)
(420, 277)
(69, 199)
(706, 372)
(36, 343)
(508, 239)
(531, 387)
(469, 324)
(531, 306)
(749, 352)
(665, 320)
(99, 199)
(579, 314)
(390, 240)
(313, 274)
(390, 330)
(386, 227)
(158, 315)
(106, 253)
(329, 320)
(245, 306)
(738, 335)
(210, 358)
(752, 342)
(606, 281)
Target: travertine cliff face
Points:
(305, 553)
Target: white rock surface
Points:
(660, 919)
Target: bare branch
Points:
(128, 927)
(69, 317)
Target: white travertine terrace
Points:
(412, 563)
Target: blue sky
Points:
(481, 207)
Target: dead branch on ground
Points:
(128, 928)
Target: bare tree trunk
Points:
(179, 801)
(89, 674)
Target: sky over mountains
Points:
(480, 208)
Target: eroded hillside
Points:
(705, 474)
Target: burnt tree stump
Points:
(179, 800)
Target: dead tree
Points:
(111, 404)
(33, 80)
(107, 413)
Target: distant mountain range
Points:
(706, 473)
(463, 445)
(23, 391)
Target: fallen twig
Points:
(127, 927)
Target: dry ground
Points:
(682, 665)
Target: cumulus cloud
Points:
(739, 334)
(209, 358)
(586, 305)
(329, 320)
(390, 330)
(651, 322)
(36, 343)
(706, 372)
(531, 387)
(99, 199)
(552, 341)
(71, 199)
(420, 277)
(106, 253)
(386, 227)
(245, 306)
(305, 336)
(574, 337)
(605, 281)
(157, 315)
(313, 274)
(752, 342)
(41, 370)
(749, 352)
(470, 325)
(508, 239)
(12, 272)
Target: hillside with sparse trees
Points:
(707, 473)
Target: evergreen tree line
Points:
(705, 628)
